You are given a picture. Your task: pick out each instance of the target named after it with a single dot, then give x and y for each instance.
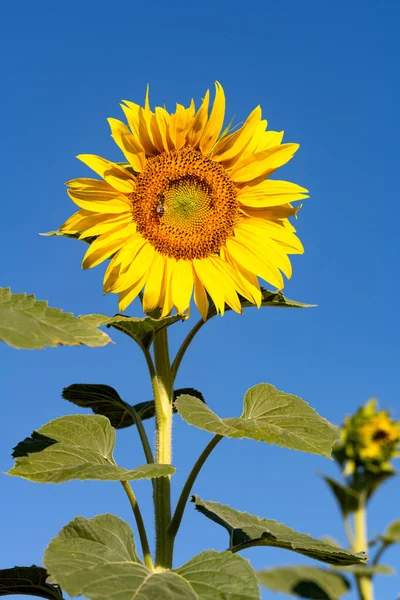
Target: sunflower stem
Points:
(360, 544)
(162, 389)
(184, 346)
(187, 488)
(140, 525)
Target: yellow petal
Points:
(129, 144)
(182, 285)
(163, 119)
(200, 296)
(199, 122)
(118, 177)
(271, 193)
(135, 262)
(109, 225)
(252, 261)
(153, 289)
(215, 121)
(262, 164)
(104, 202)
(235, 143)
(217, 283)
(248, 280)
(272, 212)
(127, 296)
(137, 123)
(106, 245)
(81, 220)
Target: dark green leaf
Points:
(97, 558)
(105, 400)
(269, 415)
(28, 581)
(269, 298)
(141, 330)
(247, 530)
(392, 533)
(29, 323)
(77, 447)
(347, 498)
(305, 582)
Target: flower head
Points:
(370, 440)
(192, 211)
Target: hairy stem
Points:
(140, 525)
(142, 434)
(184, 346)
(360, 544)
(162, 389)
(183, 498)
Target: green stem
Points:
(140, 525)
(360, 544)
(142, 434)
(183, 498)
(184, 346)
(162, 389)
(380, 551)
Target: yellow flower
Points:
(192, 211)
(380, 430)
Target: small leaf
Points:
(269, 298)
(29, 323)
(105, 400)
(347, 498)
(75, 236)
(247, 530)
(270, 416)
(392, 533)
(141, 330)
(28, 581)
(97, 558)
(305, 582)
(76, 447)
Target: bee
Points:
(160, 206)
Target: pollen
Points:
(184, 204)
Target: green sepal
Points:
(105, 400)
(246, 531)
(347, 498)
(28, 581)
(96, 558)
(76, 447)
(29, 323)
(305, 582)
(392, 533)
(270, 416)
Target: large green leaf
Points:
(105, 400)
(247, 530)
(269, 415)
(97, 559)
(348, 499)
(29, 323)
(141, 330)
(28, 581)
(76, 447)
(269, 298)
(305, 582)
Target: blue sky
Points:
(326, 73)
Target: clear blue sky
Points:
(326, 73)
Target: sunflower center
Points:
(184, 204)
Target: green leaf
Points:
(141, 330)
(269, 298)
(76, 447)
(392, 533)
(75, 236)
(347, 498)
(247, 530)
(105, 400)
(305, 582)
(269, 415)
(28, 581)
(97, 558)
(29, 323)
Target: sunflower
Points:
(192, 211)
